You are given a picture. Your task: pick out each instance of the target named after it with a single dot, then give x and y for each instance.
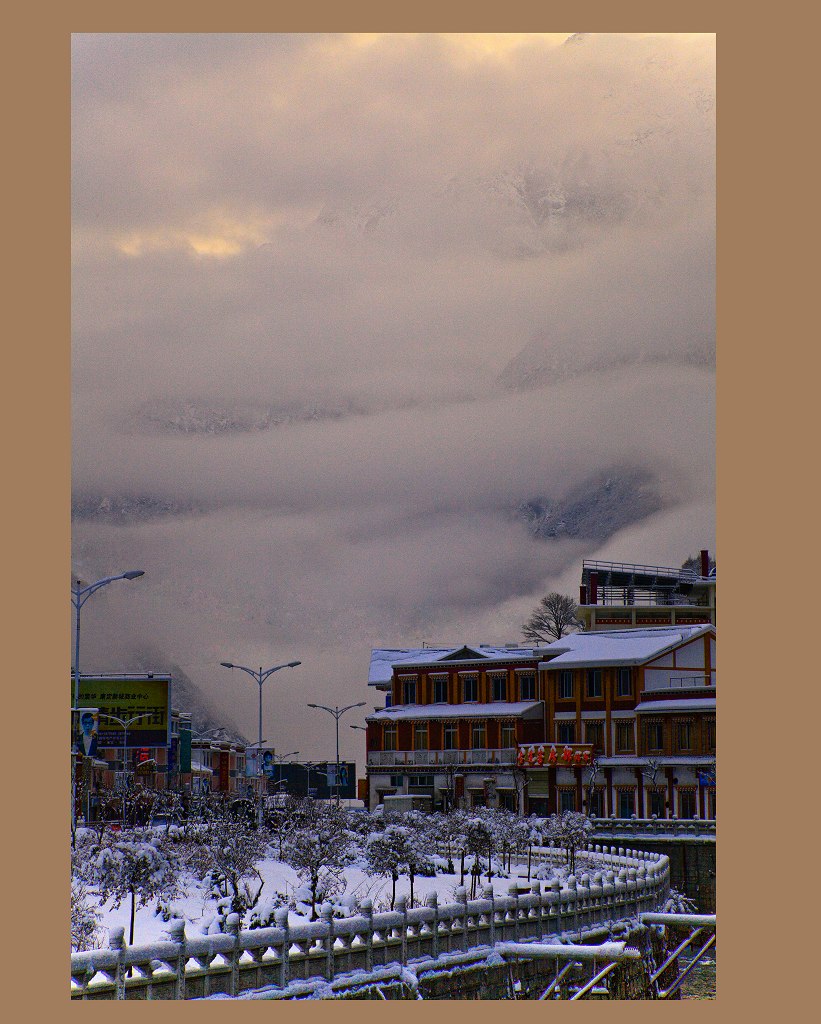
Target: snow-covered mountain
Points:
(595, 510)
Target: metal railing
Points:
(432, 758)
(628, 597)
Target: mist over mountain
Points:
(375, 338)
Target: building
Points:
(453, 723)
(218, 766)
(616, 722)
(621, 595)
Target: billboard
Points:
(317, 779)
(125, 698)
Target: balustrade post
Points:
(432, 901)
(513, 893)
(281, 920)
(402, 908)
(176, 932)
(116, 941)
(461, 895)
(556, 903)
(487, 893)
(232, 928)
(327, 914)
(367, 913)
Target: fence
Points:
(677, 828)
(612, 885)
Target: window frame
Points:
(480, 728)
(448, 729)
(409, 688)
(655, 724)
(622, 673)
(439, 682)
(390, 730)
(499, 681)
(625, 725)
(529, 678)
(561, 726)
(594, 676)
(473, 682)
(418, 728)
(565, 676)
(508, 728)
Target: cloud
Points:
(301, 267)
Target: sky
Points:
(341, 304)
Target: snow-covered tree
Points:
(319, 848)
(234, 848)
(386, 854)
(570, 831)
(85, 919)
(138, 866)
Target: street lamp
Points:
(125, 724)
(337, 713)
(259, 677)
(364, 728)
(79, 596)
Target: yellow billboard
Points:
(134, 708)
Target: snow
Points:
(384, 659)
(616, 647)
(199, 910)
(498, 709)
(695, 704)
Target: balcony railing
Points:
(642, 597)
(392, 758)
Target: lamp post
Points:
(79, 595)
(337, 712)
(125, 724)
(259, 677)
(279, 758)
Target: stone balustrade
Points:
(677, 827)
(610, 885)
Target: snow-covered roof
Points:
(497, 709)
(696, 704)
(617, 646)
(385, 659)
(198, 766)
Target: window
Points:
(420, 782)
(449, 736)
(710, 733)
(440, 689)
(469, 688)
(684, 735)
(527, 687)
(565, 685)
(594, 734)
(420, 736)
(654, 734)
(498, 687)
(594, 682)
(595, 803)
(686, 803)
(389, 737)
(627, 803)
(624, 736)
(657, 803)
(566, 732)
(478, 736)
(409, 691)
(567, 800)
(508, 735)
(624, 685)
(507, 800)
(398, 781)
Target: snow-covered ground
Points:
(199, 908)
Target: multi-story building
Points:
(611, 723)
(623, 595)
(218, 766)
(453, 723)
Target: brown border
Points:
(759, 126)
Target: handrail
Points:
(611, 885)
